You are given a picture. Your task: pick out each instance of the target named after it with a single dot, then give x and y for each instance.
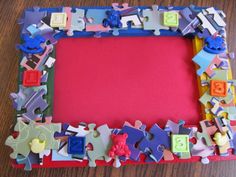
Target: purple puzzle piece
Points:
(155, 143)
(36, 101)
(134, 136)
(50, 37)
(188, 22)
(204, 33)
(31, 17)
(63, 131)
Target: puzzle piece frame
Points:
(75, 30)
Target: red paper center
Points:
(117, 79)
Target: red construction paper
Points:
(112, 80)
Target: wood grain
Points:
(10, 11)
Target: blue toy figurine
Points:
(214, 45)
(32, 45)
(113, 19)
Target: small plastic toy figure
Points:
(119, 148)
(214, 45)
(113, 19)
(32, 45)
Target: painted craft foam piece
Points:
(36, 62)
(135, 135)
(206, 61)
(32, 45)
(19, 99)
(100, 147)
(95, 18)
(58, 19)
(27, 133)
(154, 20)
(77, 21)
(156, 145)
(31, 17)
(36, 101)
(119, 148)
(208, 130)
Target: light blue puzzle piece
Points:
(58, 157)
(33, 30)
(203, 59)
(97, 16)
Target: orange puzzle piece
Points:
(218, 88)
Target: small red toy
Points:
(31, 78)
(119, 147)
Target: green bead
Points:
(180, 143)
(171, 19)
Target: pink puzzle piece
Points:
(215, 63)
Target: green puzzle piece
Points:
(100, 140)
(28, 132)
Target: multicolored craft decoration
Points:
(36, 137)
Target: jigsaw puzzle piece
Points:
(208, 130)
(207, 62)
(36, 101)
(153, 20)
(188, 21)
(155, 143)
(31, 17)
(99, 143)
(135, 135)
(202, 150)
(36, 61)
(19, 99)
(95, 19)
(29, 132)
(77, 21)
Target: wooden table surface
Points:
(10, 11)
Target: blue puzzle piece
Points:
(32, 45)
(31, 17)
(154, 143)
(134, 136)
(203, 59)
